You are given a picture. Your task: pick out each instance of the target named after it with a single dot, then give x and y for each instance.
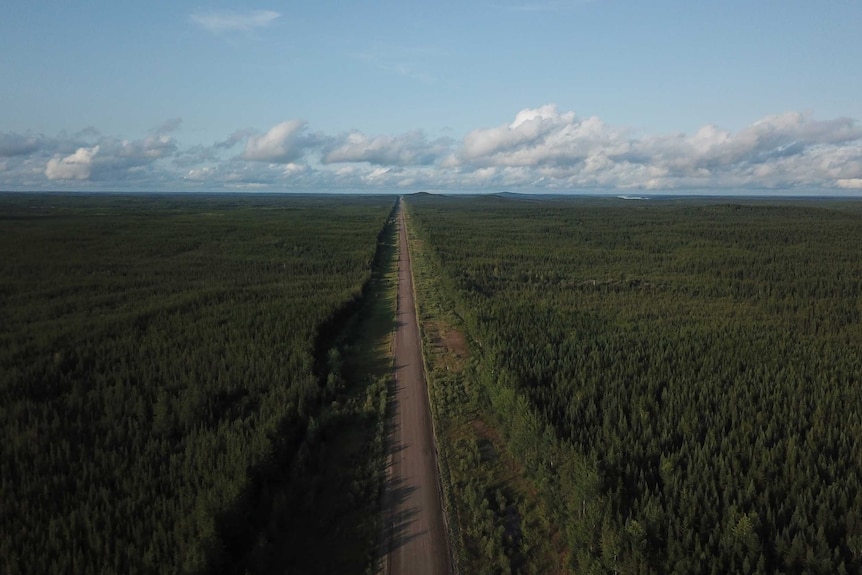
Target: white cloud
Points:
(72, 167)
(767, 140)
(293, 169)
(560, 150)
(112, 159)
(200, 174)
(541, 136)
(235, 173)
(377, 174)
(12, 144)
(540, 148)
(230, 21)
(235, 138)
(168, 126)
(283, 143)
(408, 149)
(150, 148)
(247, 185)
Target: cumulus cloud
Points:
(767, 140)
(541, 137)
(110, 158)
(143, 151)
(562, 150)
(230, 21)
(283, 143)
(168, 126)
(408, 149)
(75, 166)
(12, 144)
(235, 138)
(539, 148)
(202, 174)
(195, 156)
(239, 173)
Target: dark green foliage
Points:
(157, 371)
(682, 378)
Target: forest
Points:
(679, 379)
(167, 368)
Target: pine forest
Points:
(680, 379)
(163, 363)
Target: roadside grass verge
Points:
(345, 455)
(497, 520)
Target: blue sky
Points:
(585, 95)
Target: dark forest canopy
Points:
(157, 355)
(682, 378)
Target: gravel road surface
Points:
(416, 534)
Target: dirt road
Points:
(416, 539)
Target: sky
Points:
(505, 95)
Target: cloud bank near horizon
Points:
(540, 149)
